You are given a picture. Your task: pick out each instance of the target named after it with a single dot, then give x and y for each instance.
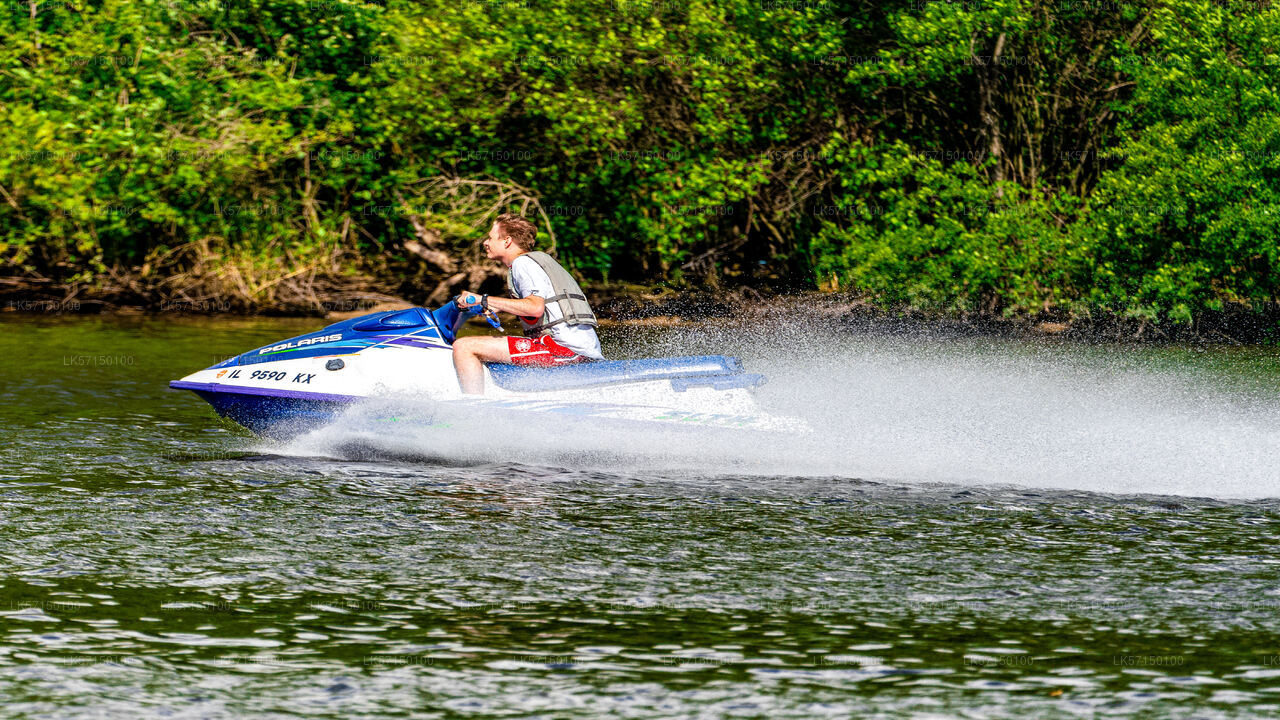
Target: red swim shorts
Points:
(540, 351)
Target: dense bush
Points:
(1000, 156)
(1114, 157)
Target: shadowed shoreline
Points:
(655, 306)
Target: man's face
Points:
(494, 244)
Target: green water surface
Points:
(156, 562)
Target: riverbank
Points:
(631, 304)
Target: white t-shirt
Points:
(530, 279)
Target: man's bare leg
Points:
(470, 352)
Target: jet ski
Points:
(304, 382)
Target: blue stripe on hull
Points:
(280, 417)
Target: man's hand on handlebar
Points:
(478, 305)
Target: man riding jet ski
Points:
(385, 360)
(559, 326)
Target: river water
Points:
(976, 528)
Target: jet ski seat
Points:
(718, 371)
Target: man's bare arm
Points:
(532, 306)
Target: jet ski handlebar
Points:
(488, 314)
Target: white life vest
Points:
(567, 296)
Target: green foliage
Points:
(1190, 220)
(1157, 201)
(1001, 156)
(914, 231)
(137, 130)
(664, 127)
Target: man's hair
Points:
(523, 232)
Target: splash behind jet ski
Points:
(307, 381)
